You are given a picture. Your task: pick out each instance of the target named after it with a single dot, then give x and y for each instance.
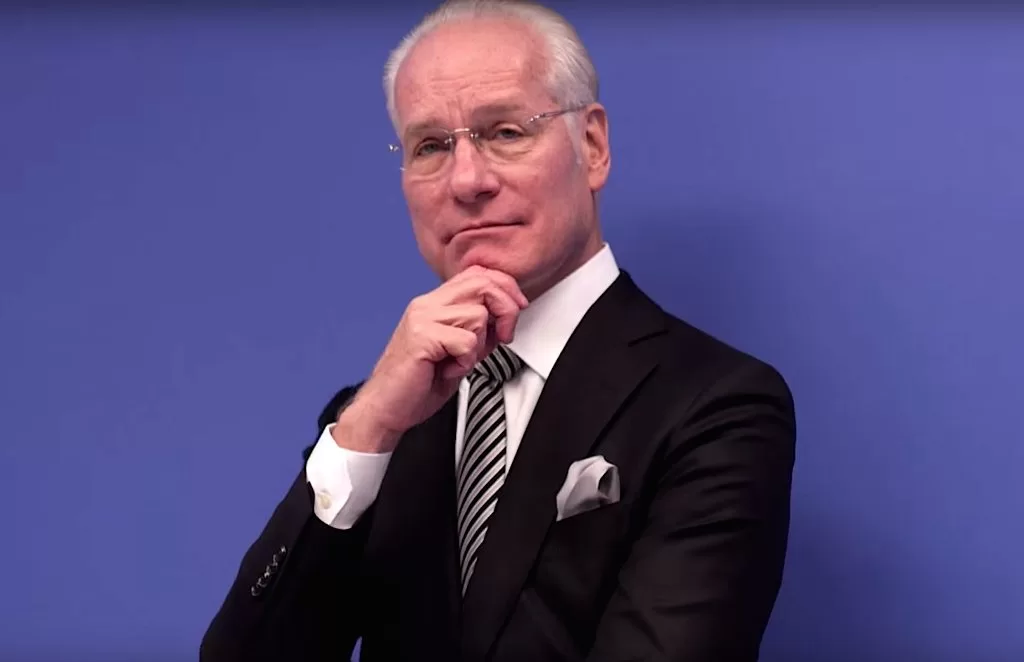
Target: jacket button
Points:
(268, 572)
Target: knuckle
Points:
(416, 325)
(417, 304)
(479, 281)
(472, 274)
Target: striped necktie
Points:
(482, 464)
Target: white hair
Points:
(571, 76)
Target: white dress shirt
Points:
(346, 482)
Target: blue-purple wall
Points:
(202, 236)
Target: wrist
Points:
(358, 430)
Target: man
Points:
(543, 464)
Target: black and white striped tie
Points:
(482, 465)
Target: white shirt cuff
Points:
(345, 482)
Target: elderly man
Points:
(543, 464)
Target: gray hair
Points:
(571, 76)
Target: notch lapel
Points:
(596, 372)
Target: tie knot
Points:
(499, 366)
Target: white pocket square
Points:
(590, 483)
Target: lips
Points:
(486, 225)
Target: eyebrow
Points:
(486, 110)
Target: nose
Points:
(472, 178)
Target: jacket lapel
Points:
(593, 377)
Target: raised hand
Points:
(438, 340)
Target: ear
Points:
(596, 152)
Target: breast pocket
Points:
(577, 568)
(580, 550)
(596, 527)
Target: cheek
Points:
(554, 191)
(423, 216)
(423, 212)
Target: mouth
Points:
(484, 226)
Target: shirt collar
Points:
(545, 326)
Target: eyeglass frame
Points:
(474, 133)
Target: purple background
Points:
(202, 236)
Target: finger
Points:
(469, 316)
(508, 284)
(460, 345)
(488, 343)
(475, 280)
(503, 309)
(504, 315)
(451, 369)
(498, 301)
(457, 368)
(503, 327)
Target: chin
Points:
(493, 258)
(504, 266)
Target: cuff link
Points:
(323, 499)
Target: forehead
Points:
(469, 65)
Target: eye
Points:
(506, 132)
(429, 147)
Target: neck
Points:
(579, 257)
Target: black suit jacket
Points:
(686, 566)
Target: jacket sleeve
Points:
(701, 579)
(297, 593)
